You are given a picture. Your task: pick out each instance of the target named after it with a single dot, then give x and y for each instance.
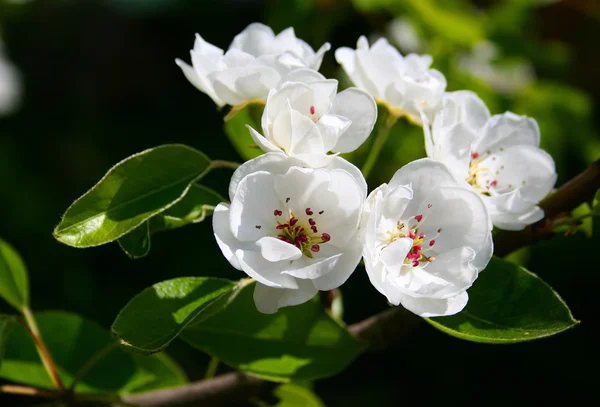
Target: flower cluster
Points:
(300, 218)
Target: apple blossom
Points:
(293, 229)
(256, 61)
(406, 84)
(425, 239)
(497, 156)
(308, 119)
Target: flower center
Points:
(305, 235)
(410, 228)
(313, 116)
(479, 175)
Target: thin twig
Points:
(45, 355)
(28, 391)
(212, 368)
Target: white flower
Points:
(425, 239)
(404, 83)
(308, 119)
(293, 229)
(498, 157)
(10, 85)
(256, 61)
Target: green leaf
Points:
(132, 192)
(508, 304)
(153, 318)
(72, 341)
(292, 395)
(238, 133)
(14, 283)
(163, 371)
(299, 343)
(198, 203)
(7, 324)
(136, 243)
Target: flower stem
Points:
(45, 356)
(224, 164)
(27, 391)
(211, 370)
(383, 131)
(92, 362)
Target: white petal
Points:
(484, 255)
(430, 307)
(275, 250)
(205, 48)
(304, 75)
(264, 271)
(352, 170)
(343, 269)
(268, 300)
(310, 269)
(275, 163)
(460, 213)
(256, 39)
(527, 168)
(505, 130)
(331, 127)
(252, 207)
(200, 83)
(396, 201)
(456, 267)
(360, 108)
(262, 142)
(225, 239)
(236, 85)
(297, 134)
(394, 254)
(318, 58)
(472, 110)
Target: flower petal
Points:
(505, 130)
(275, 250)
(360, 108)
(261, 141)
(431, 307)
(252, 206)
(311, 269)
(268, 300)
(264, 271)
(393, 255)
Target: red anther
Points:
(418, 218)
(297, 228)
(312, 110)
(325, 237)
(293, 221)
(315, 248)
(421, 235)
(412, 234)
(321, 212)
(282, 226)
(494, 183)
(312, 222)
(474, 155)
(277, 212)
(303, 238)
(308, 211)
(285, 239)
(314, 229)
(258, 226)
(418, 248)
(415, 263)
(431, 242)
(430, 259)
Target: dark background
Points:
(101, 84)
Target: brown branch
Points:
(568, 197)
(28, 391)
(378, 331)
